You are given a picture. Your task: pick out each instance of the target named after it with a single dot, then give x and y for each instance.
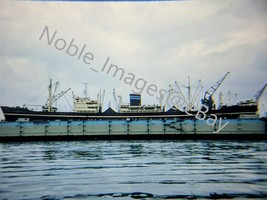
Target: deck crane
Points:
(118, 103)
(207, 100)
(56, 97)
(53, 98)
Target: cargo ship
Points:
(135, 121)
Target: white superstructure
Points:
(86, 105)
(140, 109)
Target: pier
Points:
(130, 129)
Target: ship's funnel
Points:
(135, 99)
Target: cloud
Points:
(158, 41)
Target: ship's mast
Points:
(189, 101)
(102, 102)
(50, 100)
(220, 99)
(52, 97)
(100, 97)
(189, 94)
(117, 103)
(85, 89)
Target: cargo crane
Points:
(117, 103)
(207, 100)
(53, 98)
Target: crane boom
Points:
(207, 100)
(56, 97)
(115, 99)
(52, 98)
(259, 93)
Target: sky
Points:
(154, 43)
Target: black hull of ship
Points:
(17, 113)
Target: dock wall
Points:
(133, 129)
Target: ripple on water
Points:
(133, 169)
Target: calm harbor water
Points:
(133, 169)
